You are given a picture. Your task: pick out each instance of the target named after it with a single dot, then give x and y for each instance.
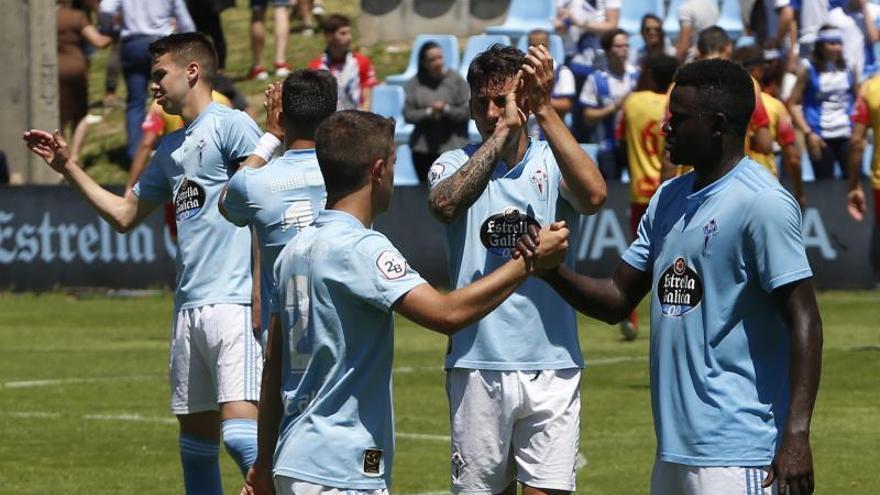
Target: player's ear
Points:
(192, 73)
(377, 170)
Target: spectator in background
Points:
(74, 31)
(602, 97)
(4, 169)
(564, 92)
(109, 24)
(641, 130)
(142, 23)
(822, 101)
(581, 23)
(655, 40)
(866, 116)
(693, 17)
(812, 14)
(353, 71)
(856, 20)
(781, 129)
(206, 16)
(281, 12)
(437, 104)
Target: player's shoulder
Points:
(362, 59)
(871, 90)
(753, 180)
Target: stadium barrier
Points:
(49, 238)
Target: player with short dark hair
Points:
(215, 362)
(284, 196)
(713, 42)
(736, 336)
(486, 194)
(326, 410)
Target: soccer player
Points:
(866, 114)
(215, 361)
(353, 70)
(326, 409)
(602, 97)
(286, 195)
(781, 127)
(640, 129)
(736, 336)
(487, 194)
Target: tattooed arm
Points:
(454, 195)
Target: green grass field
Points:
(84, 397)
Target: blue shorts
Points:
(261, 4)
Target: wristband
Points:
(266, 146)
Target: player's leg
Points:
(667, 478)
(482, 404)
(258, 39)
(194, 402)
(239, 363)
(546, 437)
(282, 34)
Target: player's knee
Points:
(201, 465)
(240, 438)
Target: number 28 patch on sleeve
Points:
(391, 264)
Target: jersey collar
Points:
(719, 184)
(202, 116)
(331, 216)
(501, 169)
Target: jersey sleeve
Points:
(236, 203)
(861, 115)
(380, 275)
(239, 136)
(589, 94)
(445, 165)
(153, 184)
(774, 244)
(366, 71)
(760, 118)
(785, 134)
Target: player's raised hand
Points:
(792, 467)
(855, 204)
(538, 77)
(50, 147)
(258, 481)
(513, 117)
(272, 104)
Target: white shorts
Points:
(214, 358)
(513, 426)
(292, 486)
(679, 479)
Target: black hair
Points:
(713, 39)
(818, 58)
(608, 38)
(495, 66)
(422, 74)
(335, 22)
(653, 17)
(347, 143)
(188, 47)
(749, 55)
(722, 87)
(307, 98)
(662, 68)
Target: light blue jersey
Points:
(534, 329)
(337, 283)
(191, 166)
(719, 347)
(279, 199)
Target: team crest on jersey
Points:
(710, 230)
(435, 172)
(679, 289)
(458, 465)
(539, 180)
(373, 461)
(391, 265)
(189, 200)
(500, 231)
(201, 148)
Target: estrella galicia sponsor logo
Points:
(679, 289)
(500, 232)
(189, 201)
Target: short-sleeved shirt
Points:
(781, 130)
(719, 346)
(191, 166)
(604, 88)
(867, 113)
(641, 128)
(278, 200)
(828, 101)
(353, 74)
(337, 284)
(699, 15)
(534, 329)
